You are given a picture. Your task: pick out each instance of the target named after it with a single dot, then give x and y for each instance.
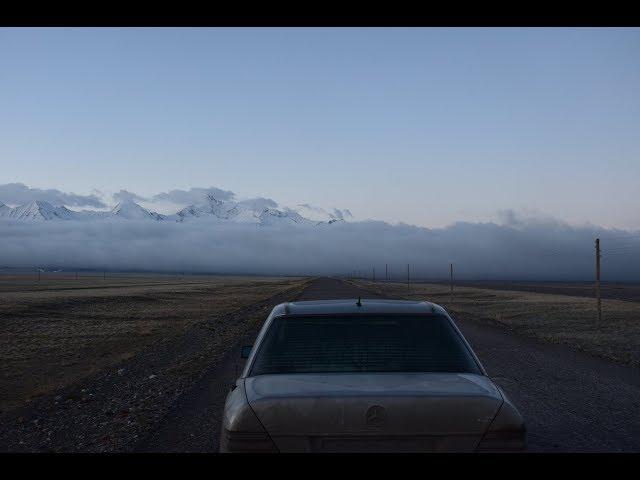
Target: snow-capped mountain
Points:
(211, 209)
(40, 210)
(271, 216)
(316, 213)
(238, 212)
(132, 211)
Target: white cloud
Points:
(19, 193)
(125, 196)
(193, 195)
(258, 203)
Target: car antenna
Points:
(359, 303)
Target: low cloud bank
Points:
(19, 193)
(518, 250)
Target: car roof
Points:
(350, 306)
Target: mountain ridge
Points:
(212, 208)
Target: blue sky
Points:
(424, 126)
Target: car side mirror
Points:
(246, 351)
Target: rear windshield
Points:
(362, 344)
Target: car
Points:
(366, 375)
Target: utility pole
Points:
(451, 280)
(408, 286)
(386, 272)
(599, 300)
(104, 274)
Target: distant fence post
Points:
(451, 282)
(408, 284)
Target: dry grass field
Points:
(613, 290)
(56, 331)
(551, 317)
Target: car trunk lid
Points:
(374, 412)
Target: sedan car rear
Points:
(371, 375)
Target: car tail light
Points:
(506, 433)
(241, 429)
(249, 442)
